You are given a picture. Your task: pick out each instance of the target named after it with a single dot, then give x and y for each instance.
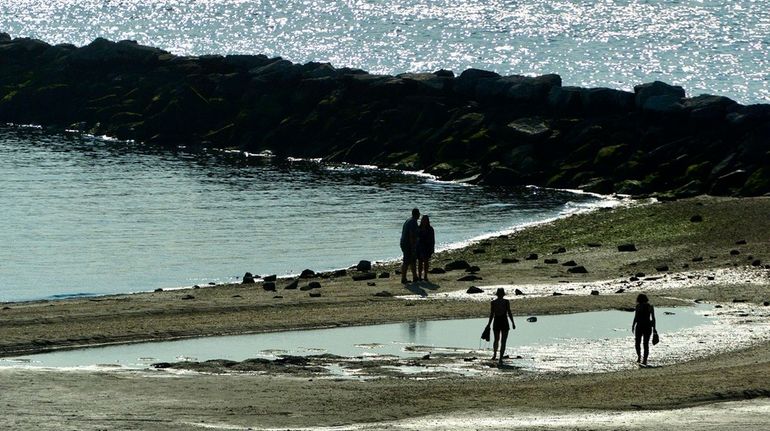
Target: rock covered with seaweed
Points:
(478, 126)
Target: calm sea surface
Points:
(716, 47)
(88, 216)
(81, 215)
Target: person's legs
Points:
(646, 337)
(503, 339)
(426, 264)
(494, 344)
(637, 344)
(420, 265)
(414, 265)
(405, 263)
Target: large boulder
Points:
(532, 90)
(468, 81)
(606, 101)
(529, 129)
(707, 108)
(657, 89)
(125, 53)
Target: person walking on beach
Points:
(426, 244)
(500, 313)
(643, 326)
(409, 246)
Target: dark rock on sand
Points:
(578, 270)
(697, 218)
(248, 278)
(766, 303)
(756, 262)
(557, 294)
(365, 276)
(595, 292)
(532, 256)
(479, 251)
(593, 244)
(457, 264)
(292, 285)
(158, 290)
(740, 242)
(661, 268)
(437, 270)
(315, 294)
(314, 285)
(364, 265)
(161, 365)
(633, 278)
(560, 250)
(371, 284)
(269, 286)
(340, 273)
(473, 290)
(518, 292)
(270, 278)
(569, 263)
(509, 260)
(697, 259)
(551, 261)
(735, 252)
(383, 294)
(470, 278)
(384, 274)
(307, 273)
(187, 297)
(473, 269)
(621, 290)
(532, 319)
(627, 247)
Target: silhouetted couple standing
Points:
(418, 243)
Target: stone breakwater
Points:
(478, 126)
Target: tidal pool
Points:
(531, 345)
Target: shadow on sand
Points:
(418, 287)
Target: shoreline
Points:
(603, 202)
(663, 234)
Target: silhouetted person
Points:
(409, 246)
(500, 313)
(644, 324)
(426, 244)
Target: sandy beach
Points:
(706, 249)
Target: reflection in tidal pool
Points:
(399, 339)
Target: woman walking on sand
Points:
(643, 326)
(500, 313)
(426, 244)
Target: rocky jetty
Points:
(477, 126)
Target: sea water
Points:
(707, 46)
(85, 216)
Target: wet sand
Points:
(700, 266)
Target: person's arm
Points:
(491, 313)
(432, 241)
(510, 315)
(652, 314)
(633, 325)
